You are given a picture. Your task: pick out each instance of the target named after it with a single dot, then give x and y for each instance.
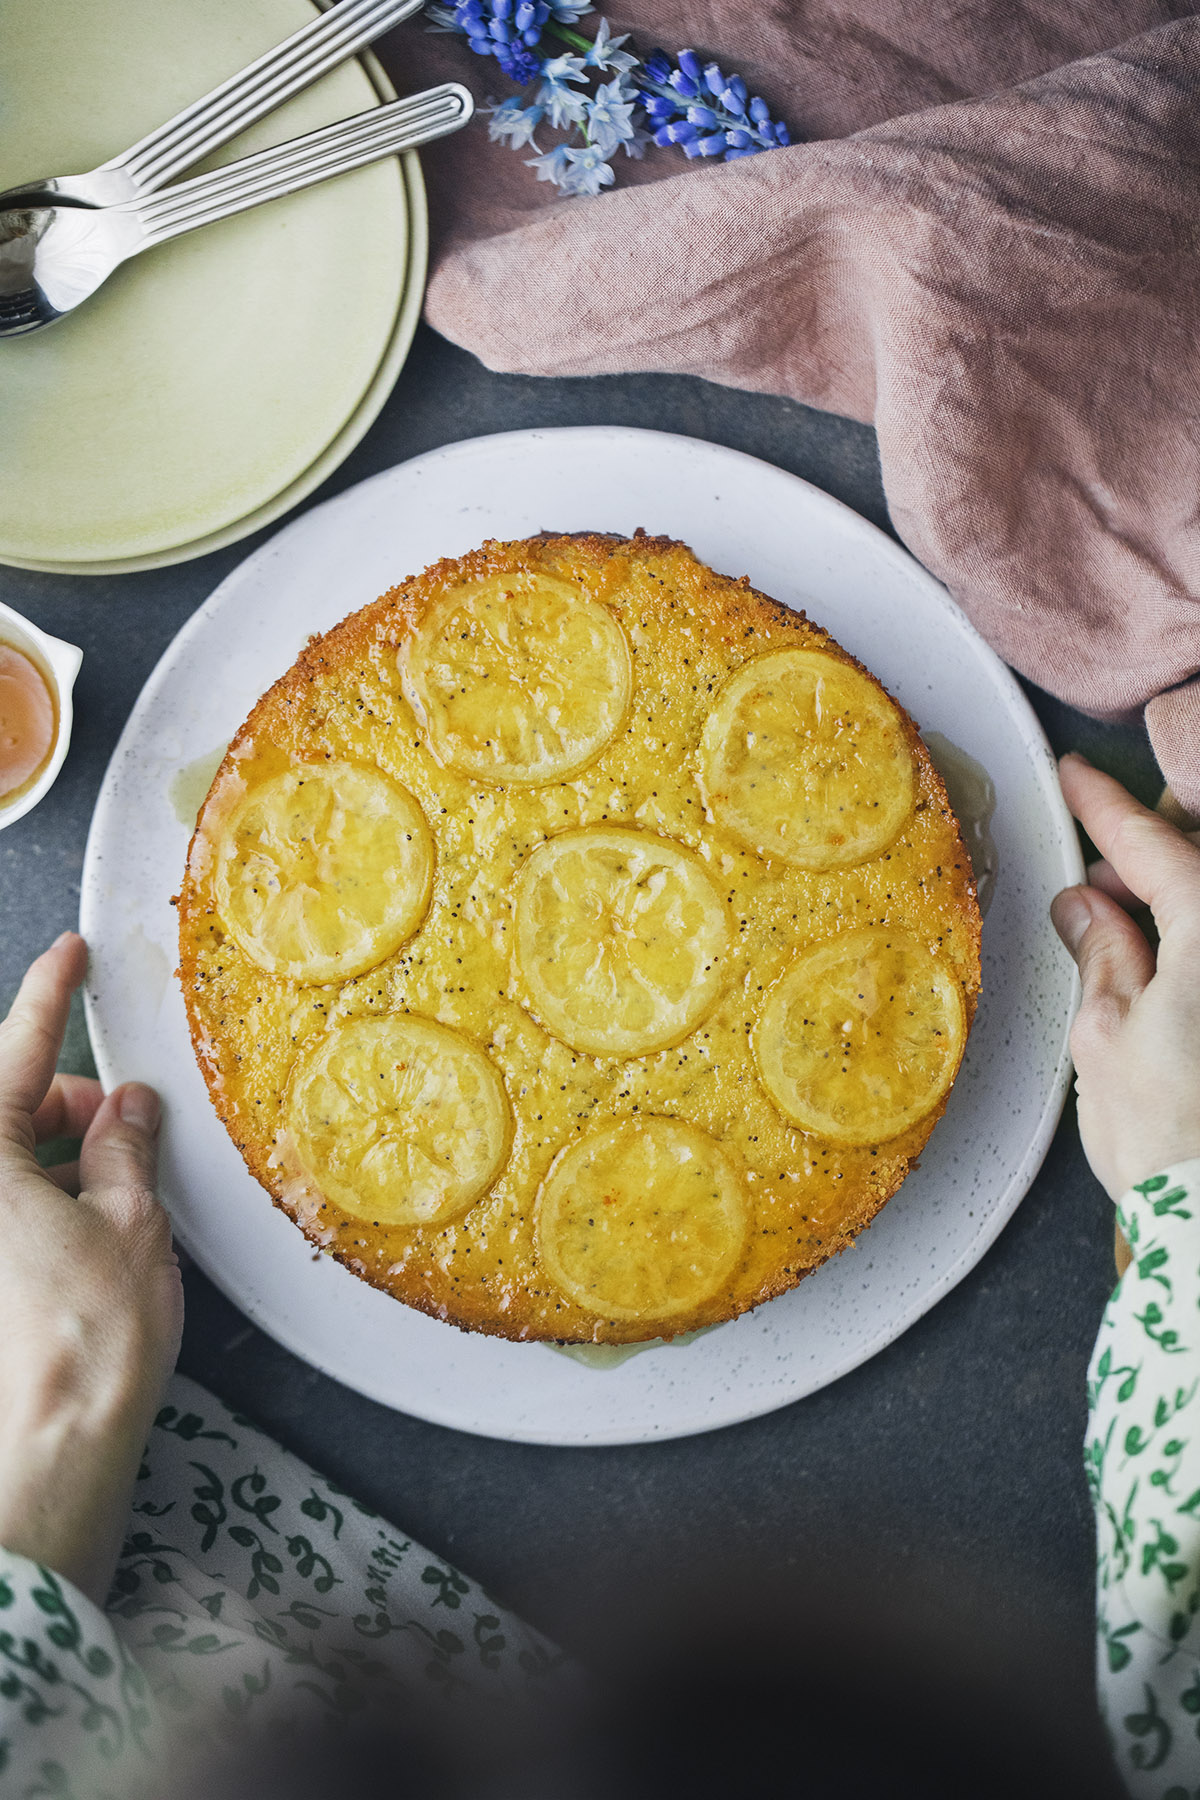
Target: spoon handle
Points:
(257, 90)
(270, 174)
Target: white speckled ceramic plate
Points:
(741, 516)
(214, 382)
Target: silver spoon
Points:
(52, 258)
(229, 109)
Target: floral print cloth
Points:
(1143, 1466)
(250, 1592)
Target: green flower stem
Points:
(565, 35)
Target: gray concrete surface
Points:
(953, 1457)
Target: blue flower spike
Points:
(514, 124)
(552, 166)
(732, 124)
(606, 52)
(563, 105)
(691, 104)
(587, 172)
(609, 120)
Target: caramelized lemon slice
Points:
(399, 1120)
(804, 758)
(519, 678)
(861, 1036)
(324, 870)
(641, 1221)
(621, 939)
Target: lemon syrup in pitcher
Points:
(28, 722)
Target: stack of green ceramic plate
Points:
(213, 383)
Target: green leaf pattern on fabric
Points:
(261, 1595)
(1142, 1461)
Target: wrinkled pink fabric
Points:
(989, 247)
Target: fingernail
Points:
(1071, 916)
(139, 1107)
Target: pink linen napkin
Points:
(989, 248)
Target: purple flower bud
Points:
(657, 65)
(760, 112)
(662, 137)
(737, 139)
(703, 115)
(658, 106)
(689, 62)
(737, 86)
(482, 46)
(518, 63)
(525, 16)
(683, 85)
(750, 150)
(692, 149)
(469, 9)
(714, 145)
(502, 9)
(680, 132)
(501, 31)
(783, 136)
(714, 81)
(731, 103)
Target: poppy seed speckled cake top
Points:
(577, 944)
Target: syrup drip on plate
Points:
(973, 796)
(188, 787)
(611, 1356)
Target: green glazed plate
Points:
(212, 383)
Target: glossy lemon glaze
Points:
(687, 631)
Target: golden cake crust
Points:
(343, 701)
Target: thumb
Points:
(120, 1150)
(1114, 959)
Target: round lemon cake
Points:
(577, 944)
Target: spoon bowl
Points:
(52, 258)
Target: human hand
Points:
(1136, 1040)
(90, 1293)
